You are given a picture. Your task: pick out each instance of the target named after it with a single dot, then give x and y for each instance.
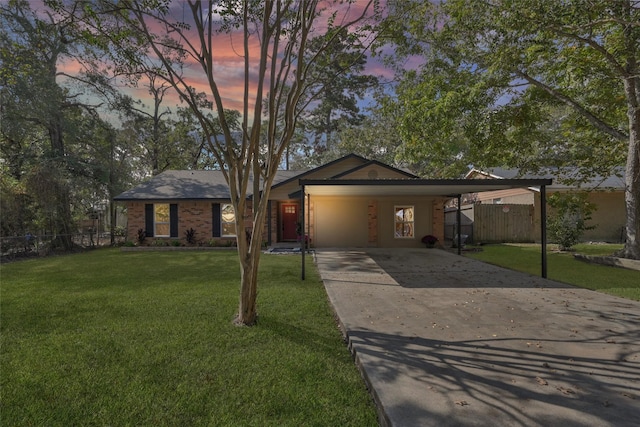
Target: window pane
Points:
(399, 214)
(228, 229)
(408, 214)
(228, 220)
(162, 212)
(227, 213)
(162, 229)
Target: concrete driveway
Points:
(444, 340)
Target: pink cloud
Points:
(229, 62)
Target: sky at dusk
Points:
(228, 65)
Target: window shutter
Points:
(148, 219)
(173, 220)
(216, 220)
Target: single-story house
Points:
(349, 202)
(606, 193)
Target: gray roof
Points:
(563, 178)
(188, 185)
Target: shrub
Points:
(429, 240)
(569, 219)
(120, 231)
(142, 235)
(190, 235)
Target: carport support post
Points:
(302, 239)
(458, 224)
(543, 228)
(269, 222)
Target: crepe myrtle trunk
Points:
(249, 250)
(247, 309)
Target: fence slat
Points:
(503, 223)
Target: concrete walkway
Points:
(444, 340)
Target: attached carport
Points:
(450, 188)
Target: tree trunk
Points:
(63, 221)
(249, 250)
(632, 174)
(632, 170)
(247, 310)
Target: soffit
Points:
(414, 187)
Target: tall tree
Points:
(31, 50)
(341, 71)
(47, 115)
(496, 71)
(277, 65)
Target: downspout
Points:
(543, 228)
(302, 239)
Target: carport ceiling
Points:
(413, 187)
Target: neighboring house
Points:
(350, 202)
(606, 193)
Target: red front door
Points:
(289, 221)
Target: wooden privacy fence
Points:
(503, 223)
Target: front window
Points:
(403, 222)
(228, 220)
(161, 220)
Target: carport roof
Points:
(412, 187)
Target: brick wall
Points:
(438, 218)
(373, 223)
(135, 219)
(196, 215)
(191, 214)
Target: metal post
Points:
(308, 224)
(459, 225)
(269, 223)
(543, 228)
(302, 239)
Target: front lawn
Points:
(562, 266)
(146, 338)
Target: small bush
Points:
(429, 240)
(190, 235)
(569, 219)
(120, 231)
(142, 236)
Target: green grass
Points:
(146, 338)
(564, 268)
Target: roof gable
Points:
(374, 169)
(328, 169)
